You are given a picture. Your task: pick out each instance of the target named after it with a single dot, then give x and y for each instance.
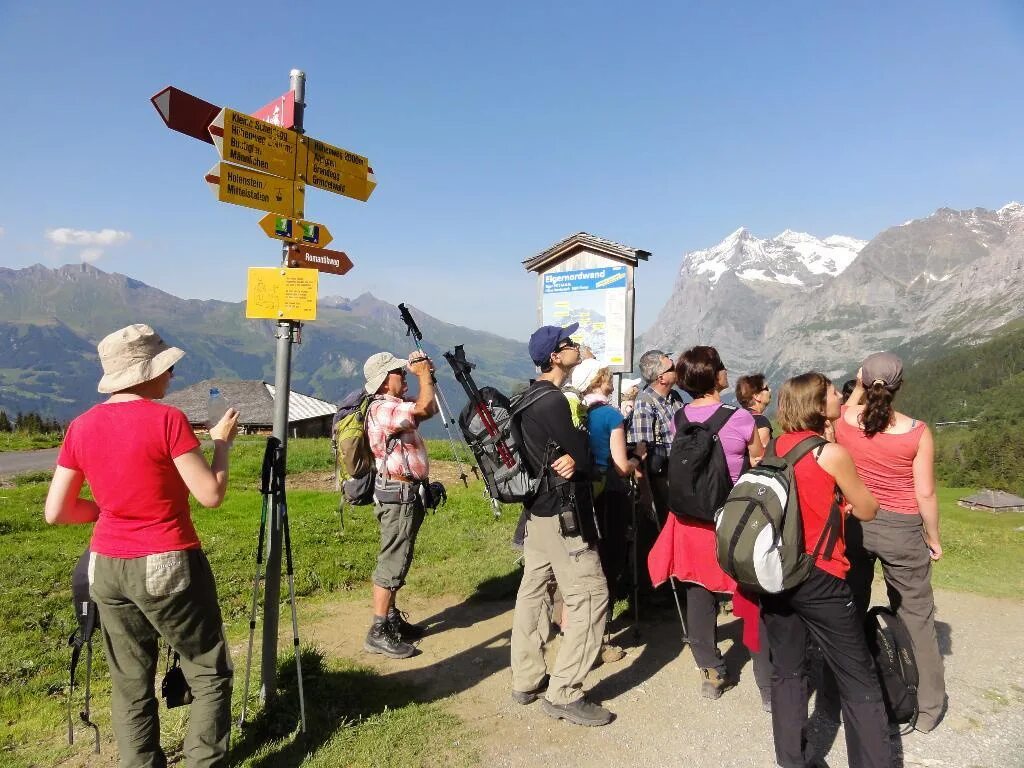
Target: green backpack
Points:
(354, 464)
(759, 531)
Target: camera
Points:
(175, 689)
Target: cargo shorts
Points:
(399, 513)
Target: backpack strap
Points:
(718, 419)
(801, 449)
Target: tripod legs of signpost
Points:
(295, 620)
(252, 612)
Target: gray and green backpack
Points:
(759, 530)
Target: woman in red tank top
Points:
(894, 454)
(822, 606)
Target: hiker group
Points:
(787, 527)
(700, 496)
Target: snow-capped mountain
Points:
(791, 258)
(794, 302)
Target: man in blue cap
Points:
(560, 542)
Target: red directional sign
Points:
(279, 112)
(186, 113)
(335, 262)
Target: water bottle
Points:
(217, 408)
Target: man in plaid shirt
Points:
(402, 467)
(653, 422)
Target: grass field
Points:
(360, 719)
(26, 441)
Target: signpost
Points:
(185, 113)
(244, 140)
(241, 186)
(335, 169)
(267, 163)
(335, 262)
(296, 230)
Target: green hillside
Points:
(982, 386)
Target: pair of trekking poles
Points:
(651, 511)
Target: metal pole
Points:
(282, 387)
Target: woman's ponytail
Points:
(878, 411)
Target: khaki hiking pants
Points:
(170, 595)
(897, 540)
(577, 570)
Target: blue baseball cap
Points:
(546, 339)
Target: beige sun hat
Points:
(584, 374)
(133, 355)
(378, 366)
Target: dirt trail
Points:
(661, 720)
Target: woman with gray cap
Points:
(894, 455)
(148, 574)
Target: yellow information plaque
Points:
(280, 293)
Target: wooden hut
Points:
(307, 416)
(993, 501)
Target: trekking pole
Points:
(635, 546)
(671, 578)
(265, 490)
(442, 403)
(290, 571)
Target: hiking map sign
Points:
(596, 298)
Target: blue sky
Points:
(497, 129)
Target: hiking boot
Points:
(528, 697)
(579, 712)
(714, 684)
(406, 631)
(383, 638)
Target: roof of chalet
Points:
(602, 246)
(993, 499)
(254, 400)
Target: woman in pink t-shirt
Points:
(894, 455)
(148, 574)
(703, 376)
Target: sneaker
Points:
(579, 712)
(383, 638)
(528, 697)
(714, 684)
(406, 631)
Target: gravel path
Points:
(661, 719)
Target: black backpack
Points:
(698, 474)
(890, 647)
(507, 484)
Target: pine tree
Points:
(5, 423)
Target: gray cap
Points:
(882, 368)
(378, 366)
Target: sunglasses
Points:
(566, 344)
(400, 372)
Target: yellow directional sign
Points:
(280, 293)
(241, 186)
(335, 169)
(244, 140)
(295, 230)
